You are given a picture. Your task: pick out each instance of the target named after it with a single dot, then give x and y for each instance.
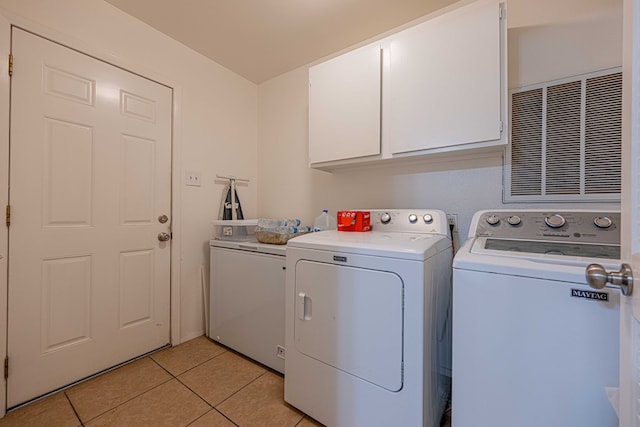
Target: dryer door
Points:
(352, 319)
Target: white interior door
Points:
(90, 174)
(630, 305)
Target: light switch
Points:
(193, 178)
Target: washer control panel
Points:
(409, 221)
(566, 226)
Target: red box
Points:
(354, 221)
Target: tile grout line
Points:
(73, 408)
(236, 392)
(241, 388)
(126, 401)
(214, 409)
(266, 371)
(299, 421)
(201, 397)
(190, 389)
(247, 385)
(175, 377)
(193, 367)
(194, 392)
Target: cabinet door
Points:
(445, 80)
(344, 106)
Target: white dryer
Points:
(533, 344)
(366, 332)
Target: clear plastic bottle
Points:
(324, 221)
(266, 223)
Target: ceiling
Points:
(261, 39)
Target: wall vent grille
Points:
(565, 140)
(526, 142)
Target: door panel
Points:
(136, 287)
(66, 308)
(68, 86)
(90, 172)
(67, 197)
(352, 319)
(138, 161)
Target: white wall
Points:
(554, 42)
(215, 110)
(551, 39)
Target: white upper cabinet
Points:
(438, 87)
(344, 106)
(445, 80)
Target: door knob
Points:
(162, 219)
(163, 237)
(598, 277)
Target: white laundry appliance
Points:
(533, 344)
(246, 299)
(367, 328)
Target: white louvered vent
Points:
(526, 142)
(565, 140)
(603, 133)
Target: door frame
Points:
(7, 21)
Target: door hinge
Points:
(500, 12)
(11, 64)
(8, 215)
(6, 367)
(501, 126)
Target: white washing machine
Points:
(366, 332)
(533, 344)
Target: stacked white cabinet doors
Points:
(436, 87)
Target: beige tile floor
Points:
(197, 383)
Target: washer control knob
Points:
(514, 220)
(385, 218)
(493, 220)
(428, 218)
(603, 222)
(555, 220)
(413, 218)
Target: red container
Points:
(354, 221)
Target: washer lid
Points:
(413, 246)
(514, 247)
(473, 256)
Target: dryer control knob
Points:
(427, 218)
(385, 218)
(413, 218)
(514, 220)
(493, 220)
(555, 221)
(603, 222)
